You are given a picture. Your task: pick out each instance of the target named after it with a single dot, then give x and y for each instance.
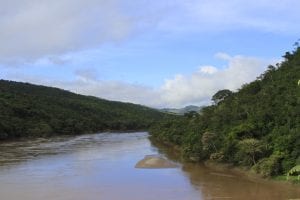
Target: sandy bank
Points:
(155, 162)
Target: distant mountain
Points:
(29, 110)
(182, 111)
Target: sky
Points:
(167, 53)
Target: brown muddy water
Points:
(102, 167)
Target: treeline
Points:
(257, 127)
(28, 110)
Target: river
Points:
(101, 167)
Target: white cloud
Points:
(208, 69)
(32, 29)
(195, 88)
(87, 84)
(198, 87)
(218, 15)
(86, 74)
(223, 56)
(114, 90)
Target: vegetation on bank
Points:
(257, 127)
(28, 110)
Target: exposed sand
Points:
(155, 162)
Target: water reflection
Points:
(99, 166)
(225, 184)
(222, 184)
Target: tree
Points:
(221, 96)
(250, 149)
(28, 110)
(207, 140)
(259, 124)
(191, 114)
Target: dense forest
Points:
(28, 110)
(257, 127)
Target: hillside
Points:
(182, 111)
(32, 110)
(257, 127)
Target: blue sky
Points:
(157, 53)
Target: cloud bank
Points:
(33, 29)
(181, 90)
(198, 87)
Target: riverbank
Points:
(243, 171)
(175, 153)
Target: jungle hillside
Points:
(256, 127)
(29, 110)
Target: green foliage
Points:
(208, 141)
(28, 110)
(269, 166)
(192, 149)
(294, 171)
(250, 126)
(221, 96)
(249, 151)
(241, 131)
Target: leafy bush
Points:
(270, 166)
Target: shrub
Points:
(269, 166)
(249, 151)
(219, 156)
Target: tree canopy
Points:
(28, 110)
(257, 126)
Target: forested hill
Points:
(258, 126)
(32, 110)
